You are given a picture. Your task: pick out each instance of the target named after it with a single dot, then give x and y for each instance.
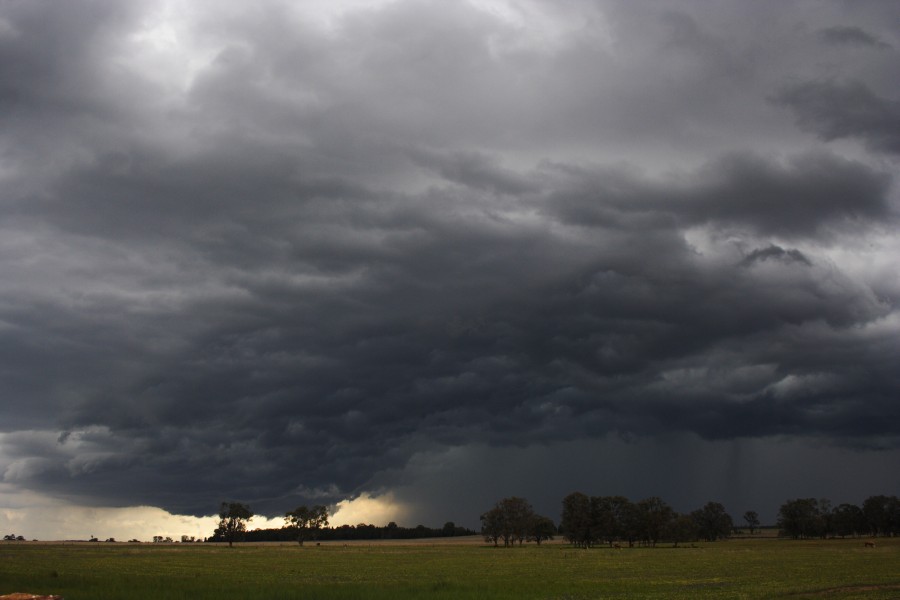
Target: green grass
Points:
(746, 569)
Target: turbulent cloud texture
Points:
(287, 254)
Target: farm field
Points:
(739, 568)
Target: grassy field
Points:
(740, 568)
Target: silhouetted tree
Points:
(612, 517)
(713, 522)
(576, 519)
(683, 528)
(542, 528)
(848, 519)
(233, 517)
(801, 518)
(307, 521)
(654, 515)
(752, 519)
(882, 514)
(512, 520)
(492, 525)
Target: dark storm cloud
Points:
(774, 252)
(836, 110)
(318, 254)
(806, 197)
(853, 36)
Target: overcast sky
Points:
(426, 254)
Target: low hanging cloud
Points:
(778, 253)
(281, 256)
(852, 36)
(835, 110)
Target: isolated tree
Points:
(713, 523)
(233, 517)
(752, 519)
(307, 521)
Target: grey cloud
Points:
(743, 474)
(332, 355)
(805, 197)
(475, 170)
(844, 110)
(774, 252)
(853, 36)
(334, 252)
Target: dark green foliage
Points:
(882, 515)
(588, 521)
(541, 529)
(655, 516)
(801, 518)
(576, 520)
(233, 517)
(752, 519)
(514, 520)
(306, 522)
(808, 517)
(362, 531)
(683, 528)
(713, 523)
(848, 519)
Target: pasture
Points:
(739, 568)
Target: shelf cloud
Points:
(287, 254)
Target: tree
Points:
(683, 528)
(511, 520)
(542, 528)
(801, 518)
(655, 516)
(449, 529)
(233, 517)
(713, 522)
(492, 525)
(576, 519)
(611, 518)
(307, 521)
(519, 515)
(752, 519)
(848, 519)
(882, 514)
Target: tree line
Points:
(811, 518)
(591, 520)
(586, 521)
(311, 523)
(513, 520)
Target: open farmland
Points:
(755, 568)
